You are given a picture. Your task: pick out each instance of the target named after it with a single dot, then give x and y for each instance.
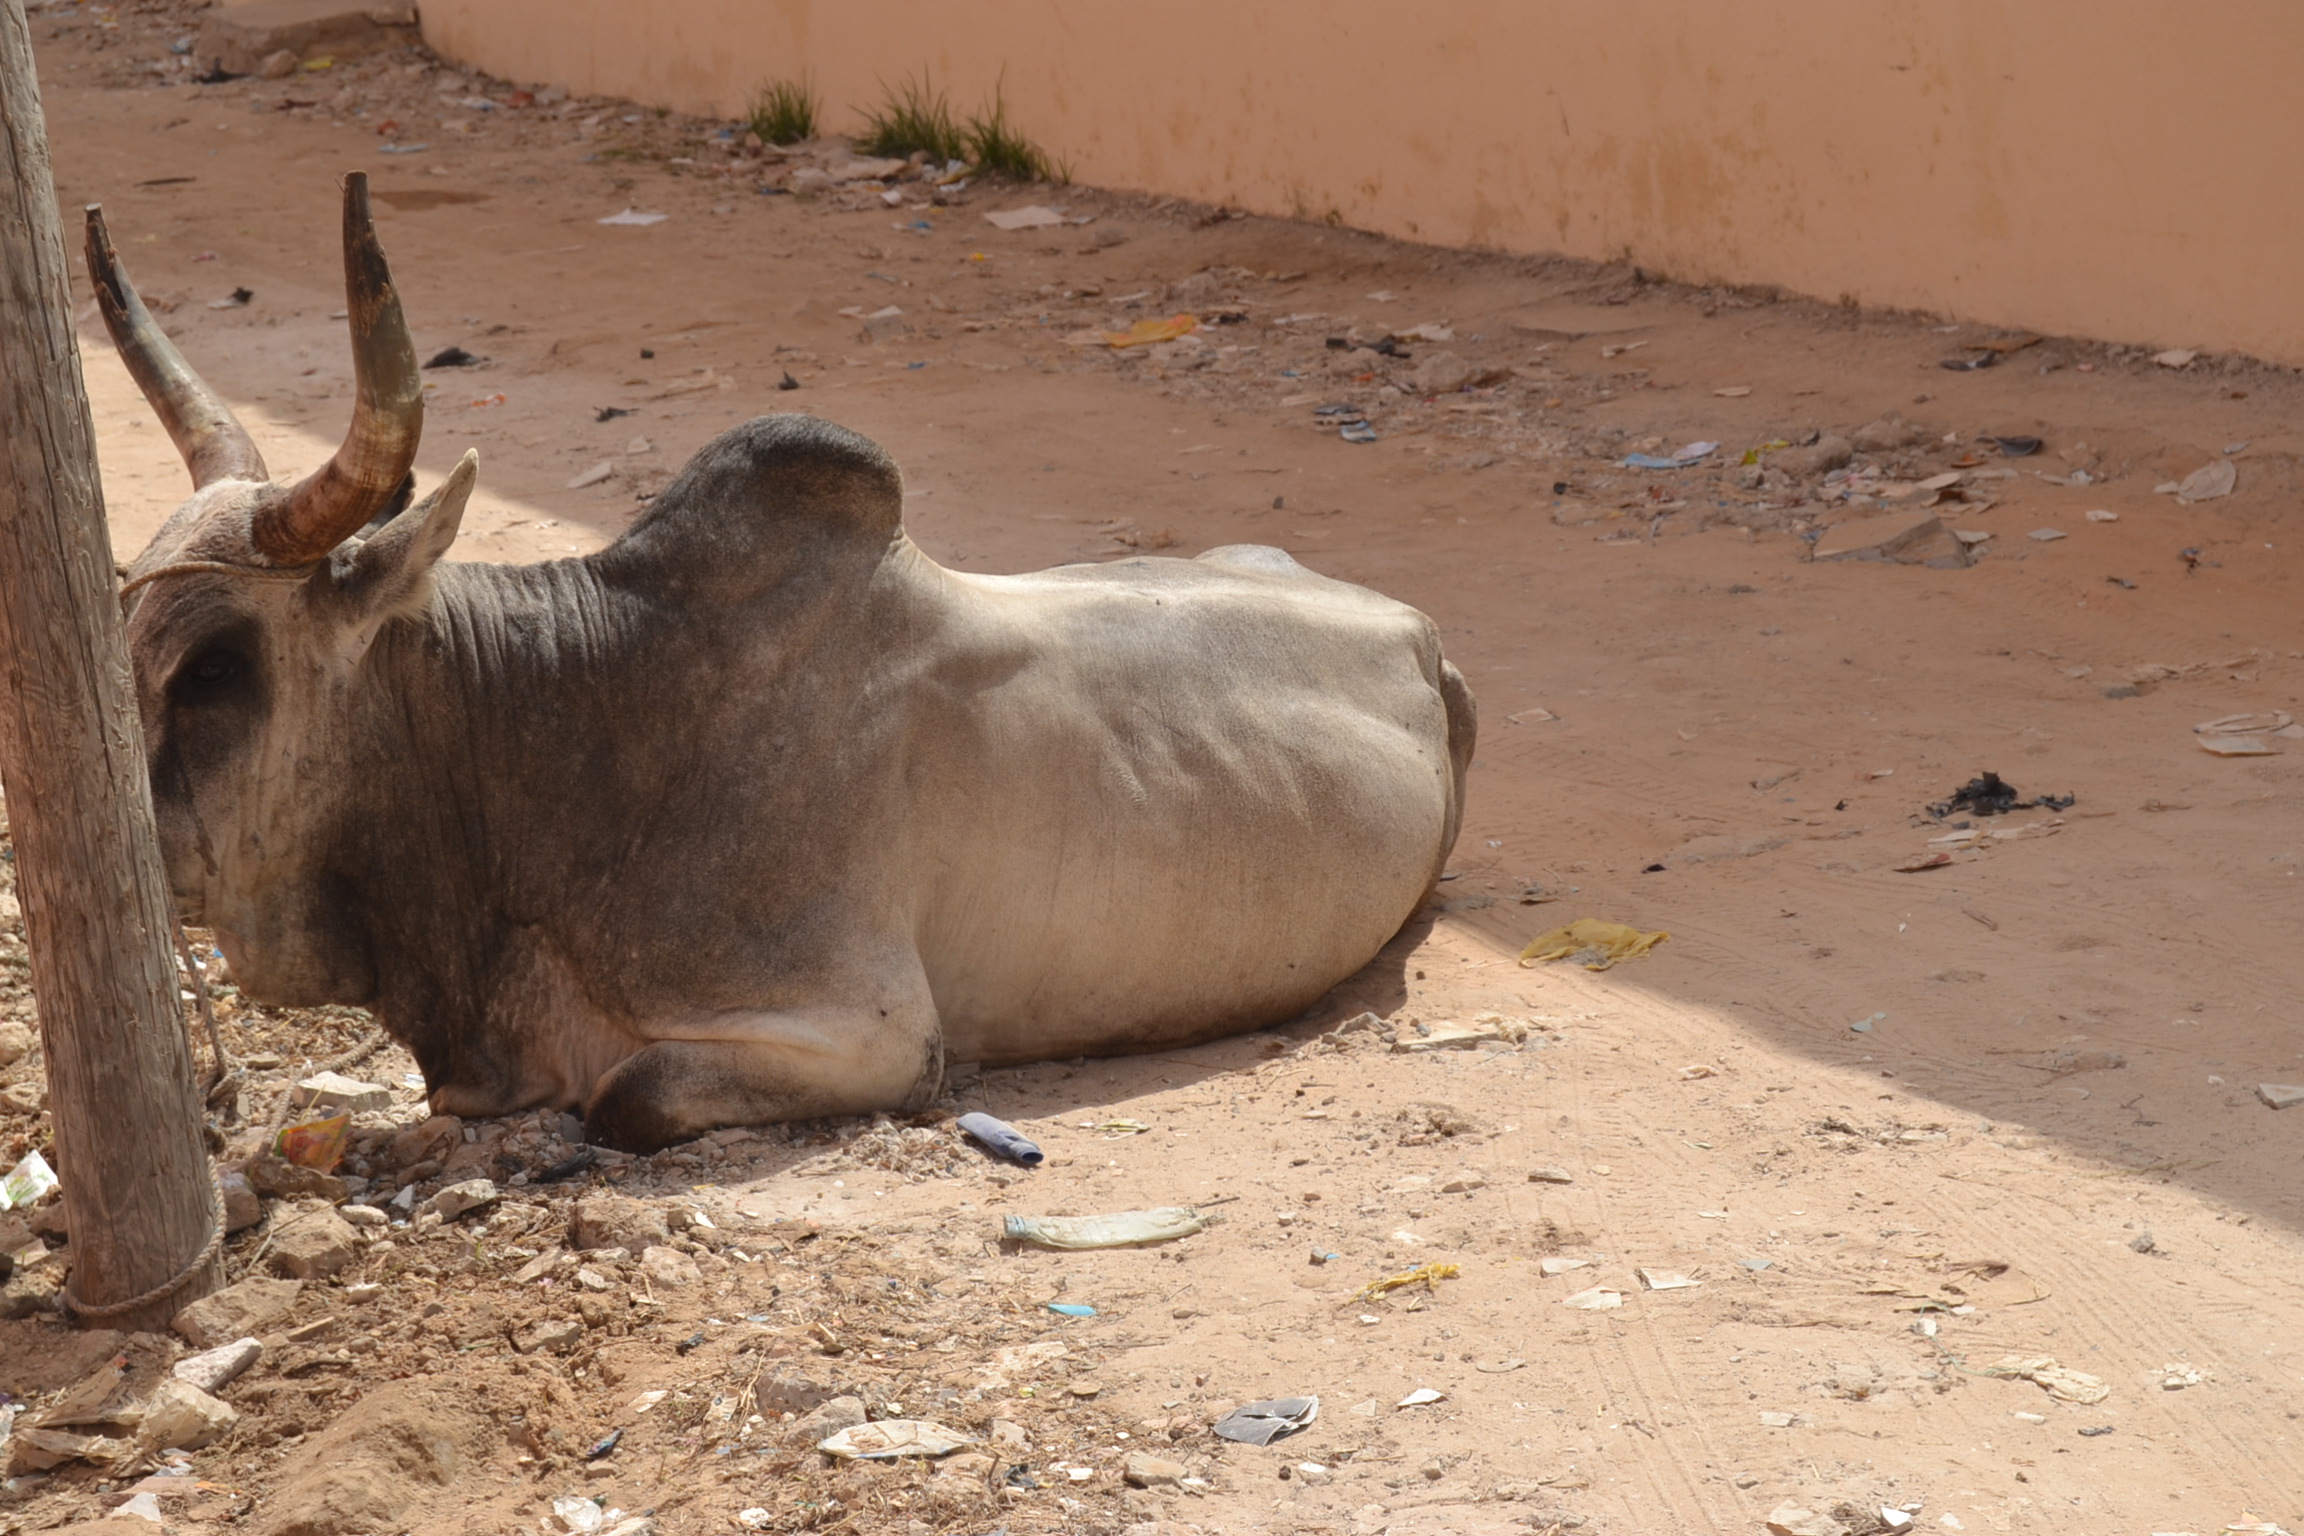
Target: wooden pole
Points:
(137, 1193)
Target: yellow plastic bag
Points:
(316, 1143)
(1145, 332)
(1593, 944)
(1427, 1275)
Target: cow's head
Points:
(250, 617)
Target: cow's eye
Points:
(209, 672)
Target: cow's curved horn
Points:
(214, 445)
(333, 502)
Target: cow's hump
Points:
(762, 503)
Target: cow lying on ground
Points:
(759, 813)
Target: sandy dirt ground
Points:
(1899, 1124)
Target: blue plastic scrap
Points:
(1002, 1139)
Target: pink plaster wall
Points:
(2113, 168)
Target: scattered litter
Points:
(2017, 447)
(2176, 1377)
(1773, 1419)
(1923, 861)
(1592, 943)
(634, 216)
(1598, 1299)
(1734, 391)
(1970, 364)
(1123, 1229)
(1499, 1367)
(1034, 217)
(2095, 1430)
(580, 1515)
(1863, 1026)
(2048, 535)
(2060, 1382)
(29, 1182)
(2235, 746)
(1002, 1138)
(605, 1445)
(237, 299)
(593, 476)
(316, 1143)
(1412, 1035)
(2101, 515)
(1357, 432)
(1559, 1266)
(1071, 1309)
(1267, 1421)
(1757, 1264)
(1989, 795)
(2215, 478)
(2274, 1095)
(1428, 331)
(2272, 721)
(1693, 453)
(1666, 1279)
(889, 1439)
(453, 357)
(757, 1518)
(1420, 1397)
(1116, 1128)
(1427, 1275)
(1147, 333)
(1550, 1176)
(1692, 1074)
(2174, 357)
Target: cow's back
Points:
(1161, 800)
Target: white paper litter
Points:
(635, 216)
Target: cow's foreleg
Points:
(758, 1068)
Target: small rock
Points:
(1145, 1470)
(616, 1221)
(425, 1142)
(1790, 1519)
(972, 1465)
(276, 1178)
(553, 1335)
(538, 1267)
(826, 1420)
(1550, 1176)
(278, 64)
(669, 1266)
(364, 1216)
(243, 1207)
(1442, 373)
(2142, 1242)
(2280, 1095)
(1314, 1473)
(363, 1291)
(1819, 458)
(1463, 1184)
(211, 1369)
(790, 1392)
(237, 1311)
(312, 1243)
(592, 1280)
(460, 1199)
(15, 1041)
(638, 1525)
(1899, 537)
(1888, 434)
(334, 1091)
(24, 1098)
(179, 1414)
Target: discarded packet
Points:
(26, 1183)
(1002, 1138)
(1262, 1423)
(1121, 1229)
(316, 1144)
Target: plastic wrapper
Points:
(1121, 1229)
(316, 1143)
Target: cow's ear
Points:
(389, 573)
